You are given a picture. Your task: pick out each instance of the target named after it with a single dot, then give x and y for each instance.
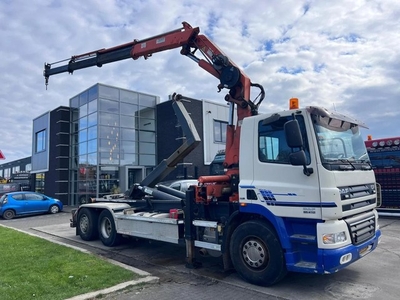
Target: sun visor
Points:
(334, 119)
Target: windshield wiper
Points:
(347, 161)
(367, 162)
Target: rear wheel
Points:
(107, 230)
(87, 224)
(8, 214)
(257, 254)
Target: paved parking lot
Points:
(374, 277)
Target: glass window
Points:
(92, 107)
(109, 158)
(82, 135)
(83, 123)
(220, 131)
(147, 100)
(272, 145)
(92, 119)
(92, 132)
(148, 113)
(40, 141)
(75, 114)
(109, 119)
(147, 136)
(108, 146)
(83, 159)
(18, 196)
(92, 146)
(82, 148)
(109, 133)
(127, 121)
(32, 196)
(129, 109)
(92, 159)
(83, 110)
(129, 134)
(109, 106)
(93, 93)
(129, 159)
(28, 167)
(129, 96)
(108, 92)
(74, 102)
(147, 148)
(147, 160)
(83, 99)
(128, 147)
(147, 124)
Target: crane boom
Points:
(214, 61)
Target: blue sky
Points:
(341, 55)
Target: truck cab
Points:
(319, 190)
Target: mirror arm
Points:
(307, 171)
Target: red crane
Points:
(214, 61)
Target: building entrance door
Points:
(134, 176)
(130, 175)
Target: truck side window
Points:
(272, 146)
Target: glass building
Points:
(113, 141)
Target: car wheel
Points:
(257, 254)
(107, 230)
(87, 224)
(8, 214)
(54, 209)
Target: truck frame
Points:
(296, 195)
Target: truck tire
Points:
(87, 224)
(107, 230)
(257, 254)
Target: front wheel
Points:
(54, 209)
(87, 224)
(107, 230)
(257, 254)
(8, 214)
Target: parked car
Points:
(23, 203)
(180, 185)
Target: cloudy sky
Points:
(343, 55)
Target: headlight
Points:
(333, 238)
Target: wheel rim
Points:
(54, 209)
(8, 215)
(84, 223)
(255, 254)
(106, 227)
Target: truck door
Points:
(282, 187)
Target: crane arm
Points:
(214, 61)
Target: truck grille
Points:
(361, 227)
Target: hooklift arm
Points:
(214, 62)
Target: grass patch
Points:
(34, 268)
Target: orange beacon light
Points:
(293, 103)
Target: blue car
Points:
(25, 203)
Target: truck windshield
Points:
(340, 142)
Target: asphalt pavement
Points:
(373, 277)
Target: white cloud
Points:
(336, 54)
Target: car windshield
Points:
(339, 141)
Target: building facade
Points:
(109, 138)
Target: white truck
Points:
(298, 193)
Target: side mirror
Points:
(298, 158)
(293, 134)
